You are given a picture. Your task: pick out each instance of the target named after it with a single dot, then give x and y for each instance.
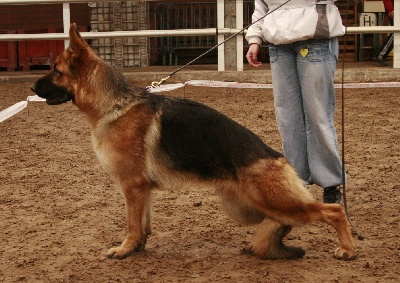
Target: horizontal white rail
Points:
(161, 33)
(32, 2)
(135, 33)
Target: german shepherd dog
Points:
(147, 141)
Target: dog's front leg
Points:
(137, 201)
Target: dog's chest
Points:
(120, 146)
(104, 154)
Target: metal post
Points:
(230, 45)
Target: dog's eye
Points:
(56, 71)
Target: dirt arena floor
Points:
(60, 212)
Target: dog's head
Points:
(61, 84)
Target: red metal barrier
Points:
(8, 54)
(40, 53)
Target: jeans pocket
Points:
(273, 54)
(318, 51)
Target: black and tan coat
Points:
(147, 141)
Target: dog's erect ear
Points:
(77, 44)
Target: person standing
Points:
(303, 50)
(387, 46)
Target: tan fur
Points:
(125, 135)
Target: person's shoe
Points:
(332, 195)
(382, 62)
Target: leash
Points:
(360, 236)
(157, 84)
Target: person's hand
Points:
(251, 55)
(391, 14)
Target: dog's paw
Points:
(119, 253)
(344, 254)
(247, 250)
(125, 250)
(275, 252)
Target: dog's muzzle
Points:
(53, 94)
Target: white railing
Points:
(24, 2)
(135, 33)
(157, 33)
(220, 30)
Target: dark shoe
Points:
(332, 195)
(382, 62)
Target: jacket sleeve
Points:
(388, 6)
(254, 32)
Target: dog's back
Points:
(202, 141)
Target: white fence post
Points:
(66, 21)
(396, 42)
(239, 38)
(221, 37)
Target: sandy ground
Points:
(60, 212)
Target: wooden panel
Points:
(349, 15)
(8, 54)
(23, 17)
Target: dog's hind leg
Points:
(331, 214)
(268, 240)
(241, 212)
(283, 199)
(334, 215)
(267, 243)
(137, 200)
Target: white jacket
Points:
(295, 21)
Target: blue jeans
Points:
(305, 104)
